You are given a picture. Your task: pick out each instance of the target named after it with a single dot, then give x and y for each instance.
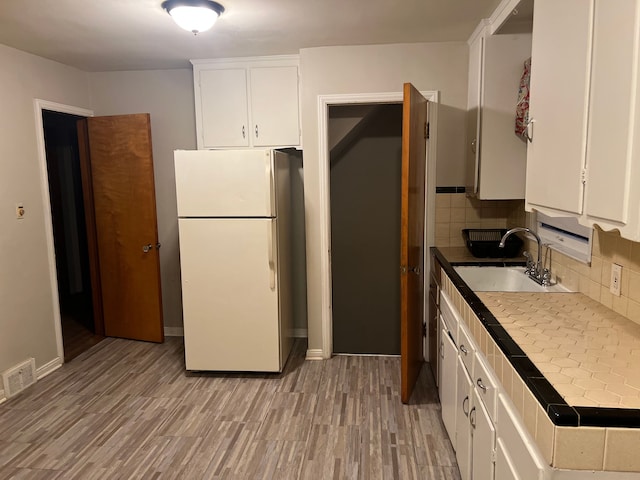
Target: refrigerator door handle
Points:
(269, 178)
(271, 245)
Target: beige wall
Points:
(374, 69)
(26, 297)
(167, 95)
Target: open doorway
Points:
(365, 152)
(69, 232)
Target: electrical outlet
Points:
(616, 276)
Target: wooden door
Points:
(118, 184)
(414, 129)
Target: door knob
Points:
(146, 248)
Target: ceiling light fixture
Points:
(194, 15)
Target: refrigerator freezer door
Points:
(231, 320)
(225, 183)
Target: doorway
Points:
(324, 241)
(69, 233)
(365, 157)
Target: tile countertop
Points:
(584, 349)
(575, 355)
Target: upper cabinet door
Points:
(473, 115)
(612, 111)
(223, 108)
(247, 102)
(274, 106)
(502, 154)
(559, 94)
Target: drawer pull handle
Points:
(481, 385)
(465, 406)
(472, 418)
(463, 349)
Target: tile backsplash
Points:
(455, 211)
(593, 280)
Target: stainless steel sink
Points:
(502, 279)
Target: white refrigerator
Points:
(235, 261)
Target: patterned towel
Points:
(522, 107)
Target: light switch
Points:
(19, 211)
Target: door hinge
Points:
(426, 130)
(583, 176)
(424, 329)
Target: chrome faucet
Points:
(536, 271)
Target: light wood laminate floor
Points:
(125, 410)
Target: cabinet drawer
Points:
(466, 349)
(486, 384)
(449, 315)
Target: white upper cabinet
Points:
(613, 183)
(223, 107)
(247, 102)
(274, 106)
(583, 159)
(559, 96)
(496, 157)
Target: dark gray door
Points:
(365, 229)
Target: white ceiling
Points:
(102, 35)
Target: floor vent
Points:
(19, 377)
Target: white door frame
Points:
(324, 102)
(40, 105)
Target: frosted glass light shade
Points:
(194, 15)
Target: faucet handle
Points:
(530, 264)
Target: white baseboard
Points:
(299, 333)
(48, 368)
(314, 354)
(173, 331)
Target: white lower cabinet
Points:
(471, 415)
(505, 469)
(484, 439)
(449, 355)
(519, 452)
(463, 427)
